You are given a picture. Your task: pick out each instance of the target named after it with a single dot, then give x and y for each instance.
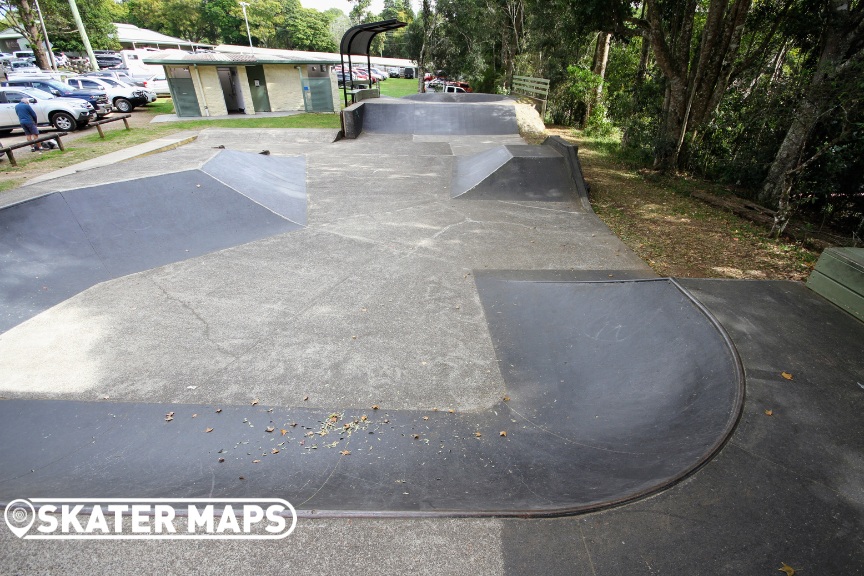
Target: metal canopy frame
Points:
(357, 40)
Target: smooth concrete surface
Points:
(387, 257)
(385, 252)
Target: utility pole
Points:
(248, 33)
(51, 60)
(83, 33)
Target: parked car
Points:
(122, 96)
(22, 67)
(393, 71)
(158, 84)
(408, 73)
(384, 75)
(65, 114)
(117, 74)
(108, 60)
(97, 98)
(375, 76)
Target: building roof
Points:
(130, 34)
(259, 56)
(323, 57)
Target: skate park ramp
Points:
(614, 390)
(469, 98)
(429, 118)
(513, 172)
(57, 245)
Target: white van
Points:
(134, 61)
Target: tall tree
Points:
(23, 18)
(697, 63)
(98, 17)
(836, 83)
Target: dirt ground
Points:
(677, 234)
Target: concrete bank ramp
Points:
(430, 118)
(518, 172)
(58, 245)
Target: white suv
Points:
(124, 97)
(66, 114)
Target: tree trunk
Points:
(697, 83)
(601, 59)
(842, 31)
(28, 26)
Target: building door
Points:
(183, 92)
(230, 90)
(258, 88)
(317, 89)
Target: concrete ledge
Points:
(352, 120)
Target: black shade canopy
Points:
(358, 38)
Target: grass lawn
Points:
(92, 146)
(398, 87)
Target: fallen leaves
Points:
(270, 429)
(283, 431)
(503, 433)
(786, 375)
(255, 402)
(375, 407)
(769, 412)
(787, 569)
(169, 416)
(478, 434)
(208, 430)
(345, 452)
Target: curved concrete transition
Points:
(615, 390)
(58, 245)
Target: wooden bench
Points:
(8, 149)
(98, 123)
(536, 89)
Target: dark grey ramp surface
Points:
(598, 412)
(468, 98)
(55, 246)
(786, 487)
(275, 182)
(513, 172)
(428, 118)
(45, 257)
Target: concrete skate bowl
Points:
(429, 118)
(614, 391)
(467, 98)
(58, 245)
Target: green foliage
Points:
(97, 15)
